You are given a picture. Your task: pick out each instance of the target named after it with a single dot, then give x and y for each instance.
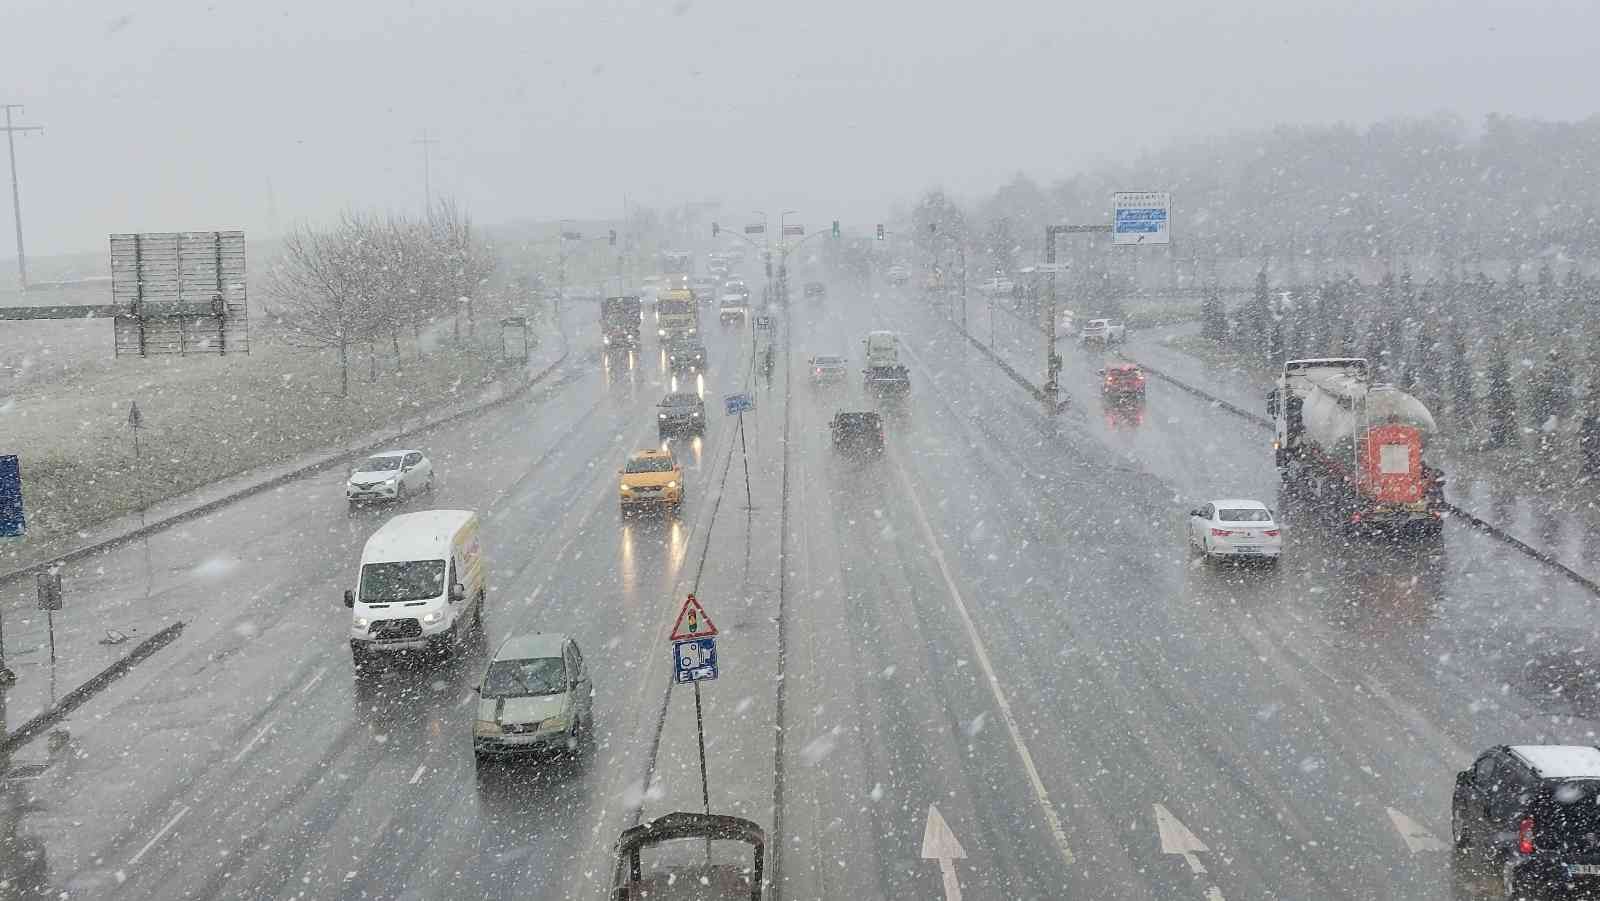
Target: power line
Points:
(16, 194)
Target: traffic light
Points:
(613, 237)
(715, 229)
(836, 228)
(880, 231)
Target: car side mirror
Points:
(458, 592)
(477, 689)
(349, 598)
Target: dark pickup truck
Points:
(887, 381)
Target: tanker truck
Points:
(1355, 446)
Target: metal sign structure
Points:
(764, 322)
(793, 231)
(694, 660)
(734, 404)
(13, 524)
(179, 293)
(49, 582)
(1141, 217)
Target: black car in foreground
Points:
(681, 412)
(857, 433)
(1530, 816)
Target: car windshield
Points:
(650, 464)
(525, 678)
(415, 580)
(828, 361)
(680, 400)
(674, 307)
(1244, 514)
(379, 464)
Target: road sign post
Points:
(735, 405)
(694, 659)
(49, 582)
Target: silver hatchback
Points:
(535, 700)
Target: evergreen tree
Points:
(1501, 402)
(1213, 316)
(1463, 399)
(1550, 392)
(1257, 317)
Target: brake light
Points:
(1221, 533)
(1356, 516)
(1525, 835)
(1271, 533)
(819, 370)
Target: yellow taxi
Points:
(652, 478)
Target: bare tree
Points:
(317, 281)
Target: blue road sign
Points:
(1141, 217)
(738, 403)
(12, 524)
(694, 660)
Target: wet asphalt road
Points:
(998, 617)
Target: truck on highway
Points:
(677, 315)
(420, 587)
(883, 349)
(620, 318)
(1354, 446)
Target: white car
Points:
(1233, 527)
(389, 476)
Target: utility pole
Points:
(427, 187)
(16, 194)
(1052, 360)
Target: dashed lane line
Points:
(157, 837)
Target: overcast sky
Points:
(182, 114)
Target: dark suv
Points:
(681, 412)
(857, 433)
(1531, 814)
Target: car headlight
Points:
(485, 728)
(661, 332)
(661, 416)
(673, 483)
(555, 724)
(625, 487)
(429, 619)
(697, 413)
(605, 340)
(361, 622)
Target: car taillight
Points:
(1525, 835)
(1271, 533)
(1356, 516)
(1221, 533)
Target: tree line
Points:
(1513, 362)
(370, 280)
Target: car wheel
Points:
(1205, 551)
(400, 492)
(429, 486)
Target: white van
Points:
(420, 586)
(883, 349)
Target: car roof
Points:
(831, 358)
(1239, 503)
(650, 453)
(1123, 367)
(857, 414)
(531, 645)
(392, 453)
(681, 397)
(1561, 761)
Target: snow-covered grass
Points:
(204, 417)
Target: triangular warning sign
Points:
(692, 622)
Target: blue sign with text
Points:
(738, 403)
(694, 660)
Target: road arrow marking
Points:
(940, 843)
(1415, 835)
(1177, 839)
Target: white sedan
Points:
(1242, 529)
(389, 476)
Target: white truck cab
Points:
(420, 587)
(883, 349)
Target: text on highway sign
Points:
(1141, 217)
(735, 404)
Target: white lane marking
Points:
(1414, 834)
(157, 837)
(417, 776)
(252, 742)
(537, 591)
(464, 700)
(982, 653)
(315, 678)
(1176, 838)
(940, 843)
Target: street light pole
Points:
(16, 193)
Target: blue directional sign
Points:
(694, 660)
(12, 524)
(738, 403)
(1141, 217)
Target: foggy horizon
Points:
(194, 118)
